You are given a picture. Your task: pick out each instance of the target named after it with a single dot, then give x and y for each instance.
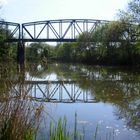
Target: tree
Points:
(131, 16)
(132, 13)
(7, 50)
(66, 51)
(38, 52)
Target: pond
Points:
(107, 98)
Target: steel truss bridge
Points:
(66, 30)
(52, 91)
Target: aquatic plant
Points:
(19, 119)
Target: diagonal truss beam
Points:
(12, 31)
(52, 91)
(62, 30)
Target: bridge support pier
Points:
(21, 53)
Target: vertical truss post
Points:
(34, 31)
(6, 31)
(74, 36)
(47, 30)
(84, 26)
(60, 93)
(60, 29)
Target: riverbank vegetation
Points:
(110, 44)
(39, 51)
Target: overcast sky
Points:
(33, 10)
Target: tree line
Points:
(113, 43)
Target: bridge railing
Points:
(10, 31)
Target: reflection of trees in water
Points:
(120, 88)
(100, 78)
(131, 88)
(7, 72)
(38, 70)
(131, 113)
(107, 84)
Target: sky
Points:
(22, 11)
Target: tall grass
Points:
(60, 132)
(19, 118)
(20, 121)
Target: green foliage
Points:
(113, 43)
(66, 51)
(39, 52)
(132, 13)
(7, 50)
(59, 132)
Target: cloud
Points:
(3, 2)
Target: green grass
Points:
(60, 132)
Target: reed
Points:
(19, 119)
(60, 132)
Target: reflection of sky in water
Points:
(89, 116)
(51, 76)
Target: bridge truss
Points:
(63, 30)
(52, 91)
(66, 30)
(10, 31)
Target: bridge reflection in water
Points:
(53, 91)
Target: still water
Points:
(103, 97)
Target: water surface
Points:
(107, 97)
